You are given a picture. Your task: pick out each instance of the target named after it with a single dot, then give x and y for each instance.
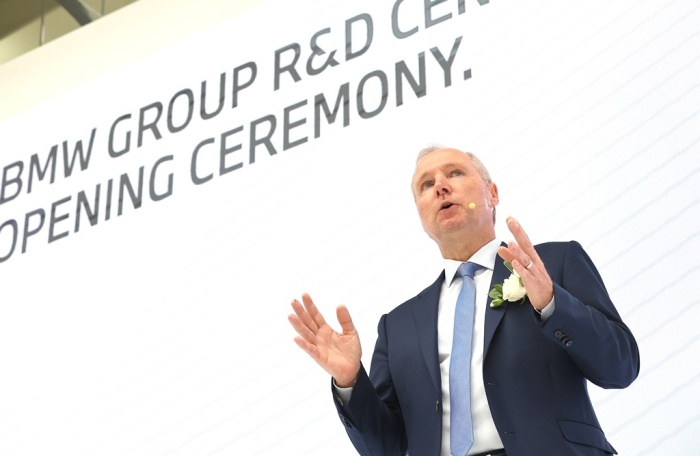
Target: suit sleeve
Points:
(372, 417)
(587, 325)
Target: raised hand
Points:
(338, 354)
(526, 262)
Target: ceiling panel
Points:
(16, 13)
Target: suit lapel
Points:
(495, 314)
(425, 313)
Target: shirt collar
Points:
(485, 257)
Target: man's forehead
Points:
(439, 159)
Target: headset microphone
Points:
(474, 205)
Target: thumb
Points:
(345, 320)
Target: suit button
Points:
(568, 342)
(558, 334)
(437, 406)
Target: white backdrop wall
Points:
(160, 329)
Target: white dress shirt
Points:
(485, 434)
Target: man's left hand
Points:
(526, 262)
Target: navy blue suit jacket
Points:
(535, 373)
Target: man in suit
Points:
(530, 358)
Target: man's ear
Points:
(493, 192)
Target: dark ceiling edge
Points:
(78, 10)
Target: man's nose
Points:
(441, 186)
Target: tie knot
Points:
(468, 269)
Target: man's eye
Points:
(457, 173)
(426, 185)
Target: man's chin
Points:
(452, 228)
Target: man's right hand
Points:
(338, 354)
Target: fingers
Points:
(306, 325)
(521, 252)
(513, 254)
(506, 254)
(304, 316)
(345, 320)
(523, 241)
(526, 262)
(537, 282)
(312, 310)
(519, 257)
(301, 329)
(525, 273)
(307, 347)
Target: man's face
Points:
(444, 184)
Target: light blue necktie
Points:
(461, 429)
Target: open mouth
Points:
(446, 206)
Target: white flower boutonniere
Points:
(511, 290)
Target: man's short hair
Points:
(475, 160)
